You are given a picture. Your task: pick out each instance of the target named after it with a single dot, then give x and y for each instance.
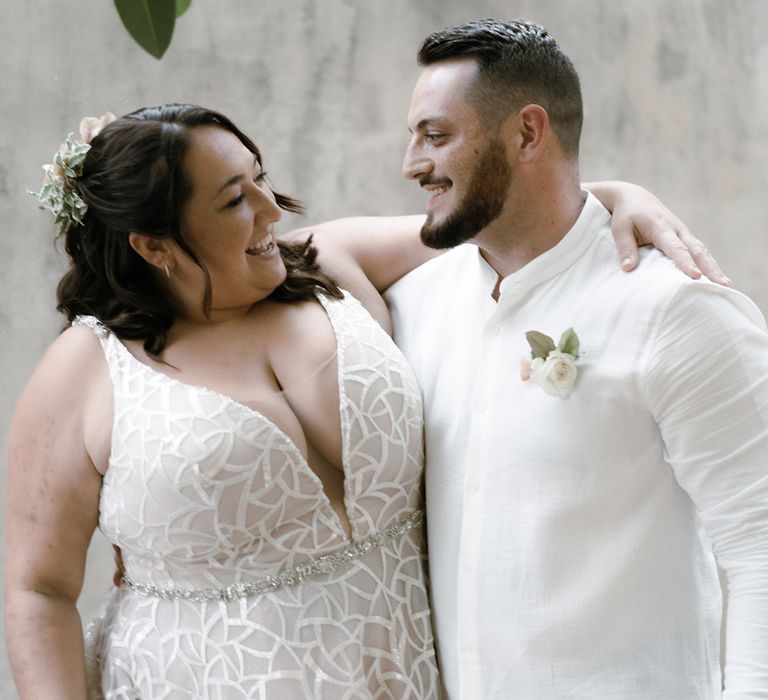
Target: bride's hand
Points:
(639, 219)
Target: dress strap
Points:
(110, 344)
(94, 324)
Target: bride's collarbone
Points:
(292, 339)
(279, 361)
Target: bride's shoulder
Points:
(77, 347)
(57, 395)
(67, 368)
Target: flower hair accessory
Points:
(553, 367)
(58, 193)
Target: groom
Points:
(577, 505)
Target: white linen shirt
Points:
(571, 539)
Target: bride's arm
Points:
(51, 512)
(368, 254)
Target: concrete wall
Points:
(676, 97)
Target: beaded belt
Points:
(288, 577)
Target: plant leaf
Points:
(541, 345)
(182, 6)
(149, 22)
(569, 342)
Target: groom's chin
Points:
(443, 236)
(439, 236)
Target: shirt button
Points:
(474, 486)
(496, 329)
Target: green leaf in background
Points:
(541, 345)
(182, 6)
(569, 342)
(149, 22)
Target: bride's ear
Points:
(155, 251)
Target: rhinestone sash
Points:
(288, 577)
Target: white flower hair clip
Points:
(58, 193)
(552, 367)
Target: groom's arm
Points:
(707, 381)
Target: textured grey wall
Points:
(676, 97)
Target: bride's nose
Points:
(265, 207)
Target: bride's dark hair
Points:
(133, 180)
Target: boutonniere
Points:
(553, 367)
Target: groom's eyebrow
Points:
(425, 123)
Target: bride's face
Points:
(229, 222)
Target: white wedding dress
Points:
(240, 581)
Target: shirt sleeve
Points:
(707, 384)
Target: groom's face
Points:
(465, 172)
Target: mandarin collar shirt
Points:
(572, 541)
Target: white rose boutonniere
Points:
(553, 367)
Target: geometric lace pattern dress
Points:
(240, 581)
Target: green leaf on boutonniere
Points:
(541, 345)
(182, 6)
(569, 342)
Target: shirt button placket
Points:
(468, 628)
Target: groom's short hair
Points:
(519, 63)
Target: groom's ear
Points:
(525, 133)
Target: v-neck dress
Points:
(240, 581)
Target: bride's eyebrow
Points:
(234, 179)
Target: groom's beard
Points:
(481, 205)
